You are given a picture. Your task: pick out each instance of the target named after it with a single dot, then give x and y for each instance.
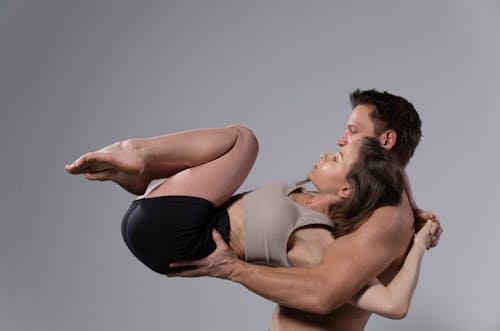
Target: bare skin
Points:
(347, 317)
(203, 160)
(117, 163)
(376, 249)
(206, 163)
(301, 288)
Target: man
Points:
(316, 298)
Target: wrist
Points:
(237, 271)
(419, 246)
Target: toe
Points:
(104, 175)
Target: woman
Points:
(277, 224)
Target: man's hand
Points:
(221, 263)
(421, 218)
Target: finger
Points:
(427, 214)
(437, 222)
(434, 227)
(217, 237)
(220, 244)
(426, 228)
(188, 273)
(429, 218)
(437, 229)
(435, 237)
(431, 215)
(439, 233)
(77, 166)
(194, 263)
(425, 234)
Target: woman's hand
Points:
(424, 237)
(221, 263)
(421, 219)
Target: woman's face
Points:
(329, 174)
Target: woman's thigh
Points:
(216, 180)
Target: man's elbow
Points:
(397, 312)
(324, 303)
(397, 315)
(320, 308)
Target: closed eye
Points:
(353, 130)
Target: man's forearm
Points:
(316, 290)
(298, 288)
(347, 265)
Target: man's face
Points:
(359, 125)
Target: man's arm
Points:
(348, 264)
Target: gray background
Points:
(77, 75)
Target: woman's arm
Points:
(393, 301)
(347, 265)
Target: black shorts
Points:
(166, 229)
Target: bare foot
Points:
(119, 163)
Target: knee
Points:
(247, 137)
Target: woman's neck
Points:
(322, 202)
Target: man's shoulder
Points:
(388, 222)
(400, 215)
(388, 216)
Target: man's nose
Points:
(342, 140)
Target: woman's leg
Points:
(206, 163)
(216, 162)
(209, 163)
(118, 162)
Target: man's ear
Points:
(344, 191)
(388, 139)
